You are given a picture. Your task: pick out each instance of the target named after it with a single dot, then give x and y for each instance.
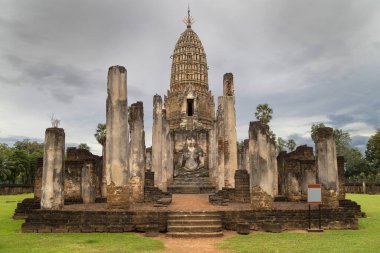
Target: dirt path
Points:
(206, 245)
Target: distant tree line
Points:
(18, 163)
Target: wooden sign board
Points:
(314, 194)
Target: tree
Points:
(342, 141)
(281, 144)
(4, 170)
(240, 145)
(291, 144)
(272, 136)
(355, 164)
(373, 152)
(263, 113)
(100, 134)
(84, 146)
(314, 129)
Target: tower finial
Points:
(189, 20)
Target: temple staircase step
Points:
(189, 224)
(197, 185)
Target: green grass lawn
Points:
(11, 240)
(366, 239)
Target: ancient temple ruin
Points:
(194, 152)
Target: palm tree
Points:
(263, 113)
(100, 136)
(291, 144)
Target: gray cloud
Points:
(310, 60)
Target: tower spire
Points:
(189, 20)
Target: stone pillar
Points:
(342, 190)
(273, 168)
(230, 138)
(53, 169)
(103, 187)
(165, 143)
(167, 153)
(220, 145)
(88, 181)
(281, 172)
(157, 141)
(38, 178)
(263, 168)
(137, 152)
(117, 140)
(327, 167)
(213, 155)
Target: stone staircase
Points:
(188, 224)
(196, 185)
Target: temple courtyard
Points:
(366, 239)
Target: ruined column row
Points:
(124, 159)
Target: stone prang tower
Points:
(189, 103)
(185, 136)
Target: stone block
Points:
(243, 228)
(152, 230)
(260, 199)
(272, 227)
(118, 197)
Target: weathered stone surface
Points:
(342, 188)
(241, 193)
(117, 139)
(226, 134)
(38, 178)
(148, 155)
(213, 156)
(272, 227)
(243, 228)
(260, 199)
(296, 170)
(152, 230)
(157, 141)
(327, 166)
(89, 181)
(262, 164)
(167, 153)
(137, 157)
(189, 103)
(136, 189)
(124, 221)
(53, 169)
(118, 197)
(151, 193)
(73, 173)
(220, 146)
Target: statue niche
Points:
(191, 161)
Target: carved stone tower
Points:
(189, 103)
(190, 117)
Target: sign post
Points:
(314, 197)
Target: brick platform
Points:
(140, 217)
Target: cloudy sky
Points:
(311, 61)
